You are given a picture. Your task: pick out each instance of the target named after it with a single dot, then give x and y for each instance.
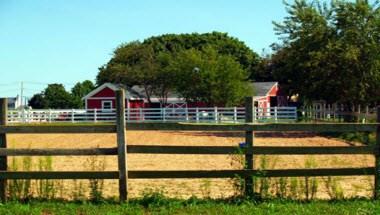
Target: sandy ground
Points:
(215, 188)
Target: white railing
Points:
(201, 114)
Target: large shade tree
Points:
(80, 90)
(210, 78)
(54, 96)
(329, 51)
(150, 63)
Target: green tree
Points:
(80, 90)
(165, 78)
(221, 42)
(37, 101)
(148, 63)
(54, 96)
(205, 76)
(133, 64)
(329, 51)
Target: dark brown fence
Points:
(121, 150)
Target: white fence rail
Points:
(204, 114)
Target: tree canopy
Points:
(55, 96)
(205, 76)
(80, 90)
(329, 51)
(151, 64)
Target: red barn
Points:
(103, 97)
(268, 94)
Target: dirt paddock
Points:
(215, 188)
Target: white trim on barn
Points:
(275, 85)
(100, 88)
(109, 102)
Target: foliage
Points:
(96, 185)
(222, 42)
(321, 42)
(37, 101)
(162, 205)
(20, 189)
(55, 96)
(80, 90)
(155, 64)
(215, 79)
(366, 138)
(333, 188)
(132, 64)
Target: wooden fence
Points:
(121, 150)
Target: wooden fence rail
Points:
(249, 150)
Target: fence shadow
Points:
(257, 134)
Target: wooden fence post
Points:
(3, 144)
(377, 158)
(121, 145)
(249, 162)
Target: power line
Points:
(9, 84)
(47, 83)
(9, 90)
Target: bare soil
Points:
(184, 188)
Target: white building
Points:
(14, 102)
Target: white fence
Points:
(207, 114)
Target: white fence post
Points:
(28, 115)
(128, 114)
(49, 116)
(23, 115)
(163, 114)
(95, 115)
(235, 115)
(275, 114)
(187, 113)
(72, 116)
(216, 114)
(197, 114)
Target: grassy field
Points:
(202, 188)
(154, 205)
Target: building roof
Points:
(263, 88)
(129, 93)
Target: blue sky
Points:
(65, 41)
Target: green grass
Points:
(158, 205)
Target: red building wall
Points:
(106, 92)
(97, 103)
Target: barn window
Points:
(106, 105)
